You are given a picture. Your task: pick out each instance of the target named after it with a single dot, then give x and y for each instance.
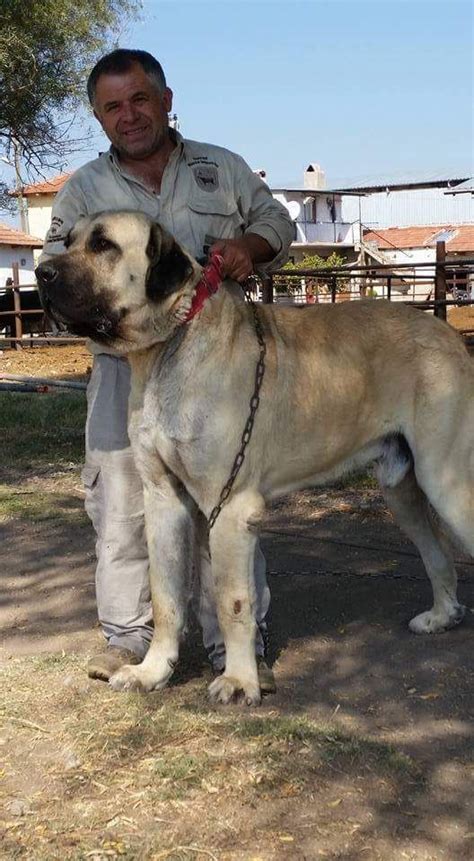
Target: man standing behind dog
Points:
(209, 199)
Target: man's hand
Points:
(237, 263)
(239, 255)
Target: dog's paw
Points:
(136, 678)
(434, 623)
(226, 689)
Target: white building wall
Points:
(323, 224)
(409, 208)
(16, 254)
(39, 214)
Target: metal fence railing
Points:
(432, 286)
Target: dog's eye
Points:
(99, 244)
(102, 245)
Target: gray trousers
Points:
(114, 503)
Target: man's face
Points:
(133, 112)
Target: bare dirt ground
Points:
(69, 361)
(461, 317)
(365, 752)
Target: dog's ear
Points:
(168, 268)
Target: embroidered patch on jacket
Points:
(56, 230)
(206, 177)
(56, 226)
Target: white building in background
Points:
(401, 222)
(39, 199)
(318, 215)
(390, 203)
(17, 247)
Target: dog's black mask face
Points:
(68, 298)
(123, 280)
(169, 268)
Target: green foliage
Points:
(314, 261)
(313, 285)
(46, 49)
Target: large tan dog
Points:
(344, 385)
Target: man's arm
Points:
(269, 229)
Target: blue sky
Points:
(366, 89)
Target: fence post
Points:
(17, 304)
(267, 289)
(440, 281)
(333, 288)
(389, 288)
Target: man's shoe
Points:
(265, 677)
(107, 663)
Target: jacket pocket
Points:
(215, 216)
(89, 476)
(214, 204)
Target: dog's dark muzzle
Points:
(71, 303)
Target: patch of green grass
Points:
(181, 770)
(39, 430)
(56, 661)
(38, 506)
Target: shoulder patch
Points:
(56, 227)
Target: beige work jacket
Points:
(207, 193)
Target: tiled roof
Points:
(10, 236)
(462, 238)
(50, 186)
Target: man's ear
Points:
(169, 266)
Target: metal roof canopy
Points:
(313, 192)
(466, 187)
(402, 186)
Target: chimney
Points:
(314, 176)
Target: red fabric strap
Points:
(209, 284)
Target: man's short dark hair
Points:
(121, 60)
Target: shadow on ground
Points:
(344, 585)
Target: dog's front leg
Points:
(170, 536)
(232, 547)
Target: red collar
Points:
(208, 285)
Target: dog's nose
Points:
(46, 273)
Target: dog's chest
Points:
(172, 430)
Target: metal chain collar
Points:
(254, 402)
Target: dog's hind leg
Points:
(411, 510)
(233, 546)
(169, 516)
